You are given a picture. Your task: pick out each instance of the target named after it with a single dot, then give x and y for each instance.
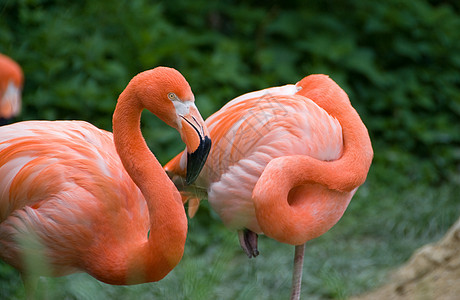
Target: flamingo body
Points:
(83, 200)
(286, 161)
(260, 130)
(68, 166)
(11, 80)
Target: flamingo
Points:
(285, 162)
(11, 80)
(84, 200)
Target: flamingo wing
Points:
(248, 135)
(249, 132)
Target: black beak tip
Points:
(196, 160)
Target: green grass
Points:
(379, 231)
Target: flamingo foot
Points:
(248, 241)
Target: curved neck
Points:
(350, 170)
(168, 223)
(311, 195)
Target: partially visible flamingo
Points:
(285, 162)
(84, 200)
(11, 80)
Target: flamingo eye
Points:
(172, 96)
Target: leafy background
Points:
(398, 61)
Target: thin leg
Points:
(297, 272)
(30, 285)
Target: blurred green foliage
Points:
(398, 61)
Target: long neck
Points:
(311, 195)
(350, 170)
(168, 222)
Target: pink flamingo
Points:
(84, 200)
(285, 162)
(11, 80)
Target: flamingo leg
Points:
(248, 241)
(30, 285)
(297, 272)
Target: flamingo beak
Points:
(195, 135)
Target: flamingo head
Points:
(174, 104)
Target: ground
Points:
(433, 272)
